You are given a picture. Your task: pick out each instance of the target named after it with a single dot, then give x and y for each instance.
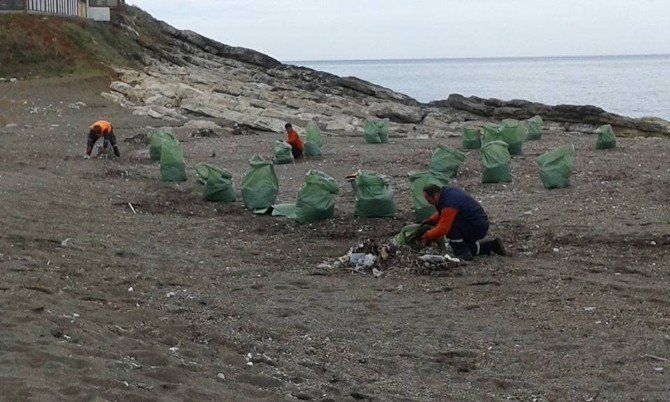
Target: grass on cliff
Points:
(38, 46)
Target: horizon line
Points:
(483, 58)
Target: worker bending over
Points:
(462, 220)
(101, 129)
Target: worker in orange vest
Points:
(101, 129)
(297, 147)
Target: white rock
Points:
(201, 125)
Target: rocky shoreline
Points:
(197, 77)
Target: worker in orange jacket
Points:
(297, 147)
(101, 129)
(462, 220)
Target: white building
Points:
(99, 10)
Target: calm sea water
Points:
(629, 85)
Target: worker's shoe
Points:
(494, 246)
(461, 250)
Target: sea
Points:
(634, 86)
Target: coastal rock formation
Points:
(185, 76)
(521, 109)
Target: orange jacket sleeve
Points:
(447, 216)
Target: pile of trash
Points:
(375, 258)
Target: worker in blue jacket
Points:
(462, 220)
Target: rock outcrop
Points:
(185, 76)
(521, 109)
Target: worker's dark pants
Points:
(107, 140)
(467, 233)
(297, 153)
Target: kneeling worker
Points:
(462, 220)
(297, 146)
(101, 129)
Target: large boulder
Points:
(397, 113)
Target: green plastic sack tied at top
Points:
(446, 160)
(556, 167)
(374, 195)
(471, 139)
(422, 209)
(535, 128)
(512, 132)
(218, 183)
(313, 141)
(316, 198)
(156, 143)
(173, 167)
(491, 133)
(260, 185)
(283, 153)
(606, 137)
(377, 131)
(496, 161)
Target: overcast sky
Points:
(293, 30)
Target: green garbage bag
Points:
(535, 128)
(556, 167)
(410, 233)
(377, 131)
(316, 198)
(173, 167)
(314, 140)
(491, 133)
(447, 160)
(496, 160)
(260, 185)
(513, 133)
(606, 137)
(156, 142)
(283, 153)
(422, 209)
(471, 138)
(218, 183)
(374, 195)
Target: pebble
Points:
(221, 377)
